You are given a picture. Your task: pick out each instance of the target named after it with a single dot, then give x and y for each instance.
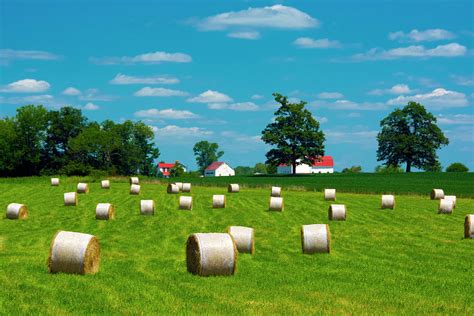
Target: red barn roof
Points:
(213, 166)
(325, 161)
(165, 165)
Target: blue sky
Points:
(205, 70)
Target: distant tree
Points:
(9, 156)
(260, 168)
(411, 136)
(177, 170)
(271, 169)
(436, 167)
(295, 133)
(206, 153)
(243, 170)
(353, 169)
(388, 169)
(457, 167)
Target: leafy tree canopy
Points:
(206, 153)
(457, 167)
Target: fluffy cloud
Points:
(124, 79)
(240, 106)
(396, 89)
(414, 51)
(211, 96)
(173, 131)
(277, 16)
(355, 135)
(159, 92)
(422, 36)
(437, 99)
(456, 119)
(95, 95)
(245, 35)
(90, 107)
(148, 58)
(306, 42)
(166, 114)
(44, 99)
(330, 95)
(71, 91)
(26, 86)
(11, 54)
(256, 97)
(349, 105)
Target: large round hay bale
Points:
(70, 199)
(243, 238)
(469, 226)
(388, 201)
(135, 189)
(134, 180)
(185, 202)
(172, 188)
(276, 204)
(72, 252)
(105, 184)
(211, 254)
(54, 182)
(17, 211)
(218, 201)
(437, 194)
(276, 192)
(330, 194)
(180, 185)
(452, 198)
(445, 206)
(147, 207)
(337, 212)
(104, 211)
(233, 188)
(186, 187)
(315, 238)
(82, 188)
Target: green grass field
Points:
(406, 261)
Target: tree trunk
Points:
(408, 169)
(294, 167)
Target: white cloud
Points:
(277, 16)
(240, 106)
(241, 138)
(166, 114)
(414, 51)
(438, 99)
(253, 35)
(159, 92)
(396, 89)
(421, 36)
(95, 95)
(211, 96)
(355, 135)
(26, 86)
(463, 81)
(349, 105)
(456, 119)
(306, 42)
(44, 99)
(11, 54)
(148, 58)
(71, 91)
(330, 95)
(173, 131)
(321, 119)
(124, 79)
(256, 97)
(90, 107)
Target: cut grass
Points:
(406, 261)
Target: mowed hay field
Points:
(410, 260)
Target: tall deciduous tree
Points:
(206, 153)
(295, 133)
(411, 136)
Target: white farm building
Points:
(322, 165)
(219, 169)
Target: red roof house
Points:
(218, 169)
(324, 164)
(165, 168)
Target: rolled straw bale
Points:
(445, 206)
(330, 194)
(135, 189)
(185, 202)
(211, 254)
(104, 211)
(469, 226)
(243, 238)
(54, 182)
(276, 192)
(388, 201)
(147, 207)
(70, 199)
(172, 188)
(186, 187)
(105, 184)
(180, 185)
(17, 211)
(452, 198)
(218, 201)
(337, 212)
(233, 188)
(72, 252)
(315, 238)
(276, 204)
(82, 188)
(134, 180)
(437, 194)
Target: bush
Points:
(457, 167)
(388, 169)
(74, 168)
(353, 169)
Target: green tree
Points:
(243, 170)
(271, 169)
(295, 133)
(411, 136)
(388, 169)
(260, 168)
(436, 167)
(353, 169)
(9, 155)
(457, 167)
(177, 170)
(206, 153)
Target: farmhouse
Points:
(166, 167)
(219, 169)
(324, 165)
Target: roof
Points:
(165, 165)
(325, 161)
(213, 166)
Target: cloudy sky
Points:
(206, 70)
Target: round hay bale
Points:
(185, 202)
(211, 254)
(276, 204)
(445, 206)
(437, 194)
(388, 201)
(147, 207)
(172, 189)
(180, 185)
(104, 211)
(276, 192)
(105, 184)
(337, 212)
(469, 226)
(135, 189)
(17, 211)
(315, 238)
(218, 201)
(72, 252)
(330, 194)
(55, 182)
(452, 198)
(186, 187)
(70, 199)
(82, 188)
(233, 188)
(134, 180)
(243, 238)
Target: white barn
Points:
(324, 165)
(219, 169)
